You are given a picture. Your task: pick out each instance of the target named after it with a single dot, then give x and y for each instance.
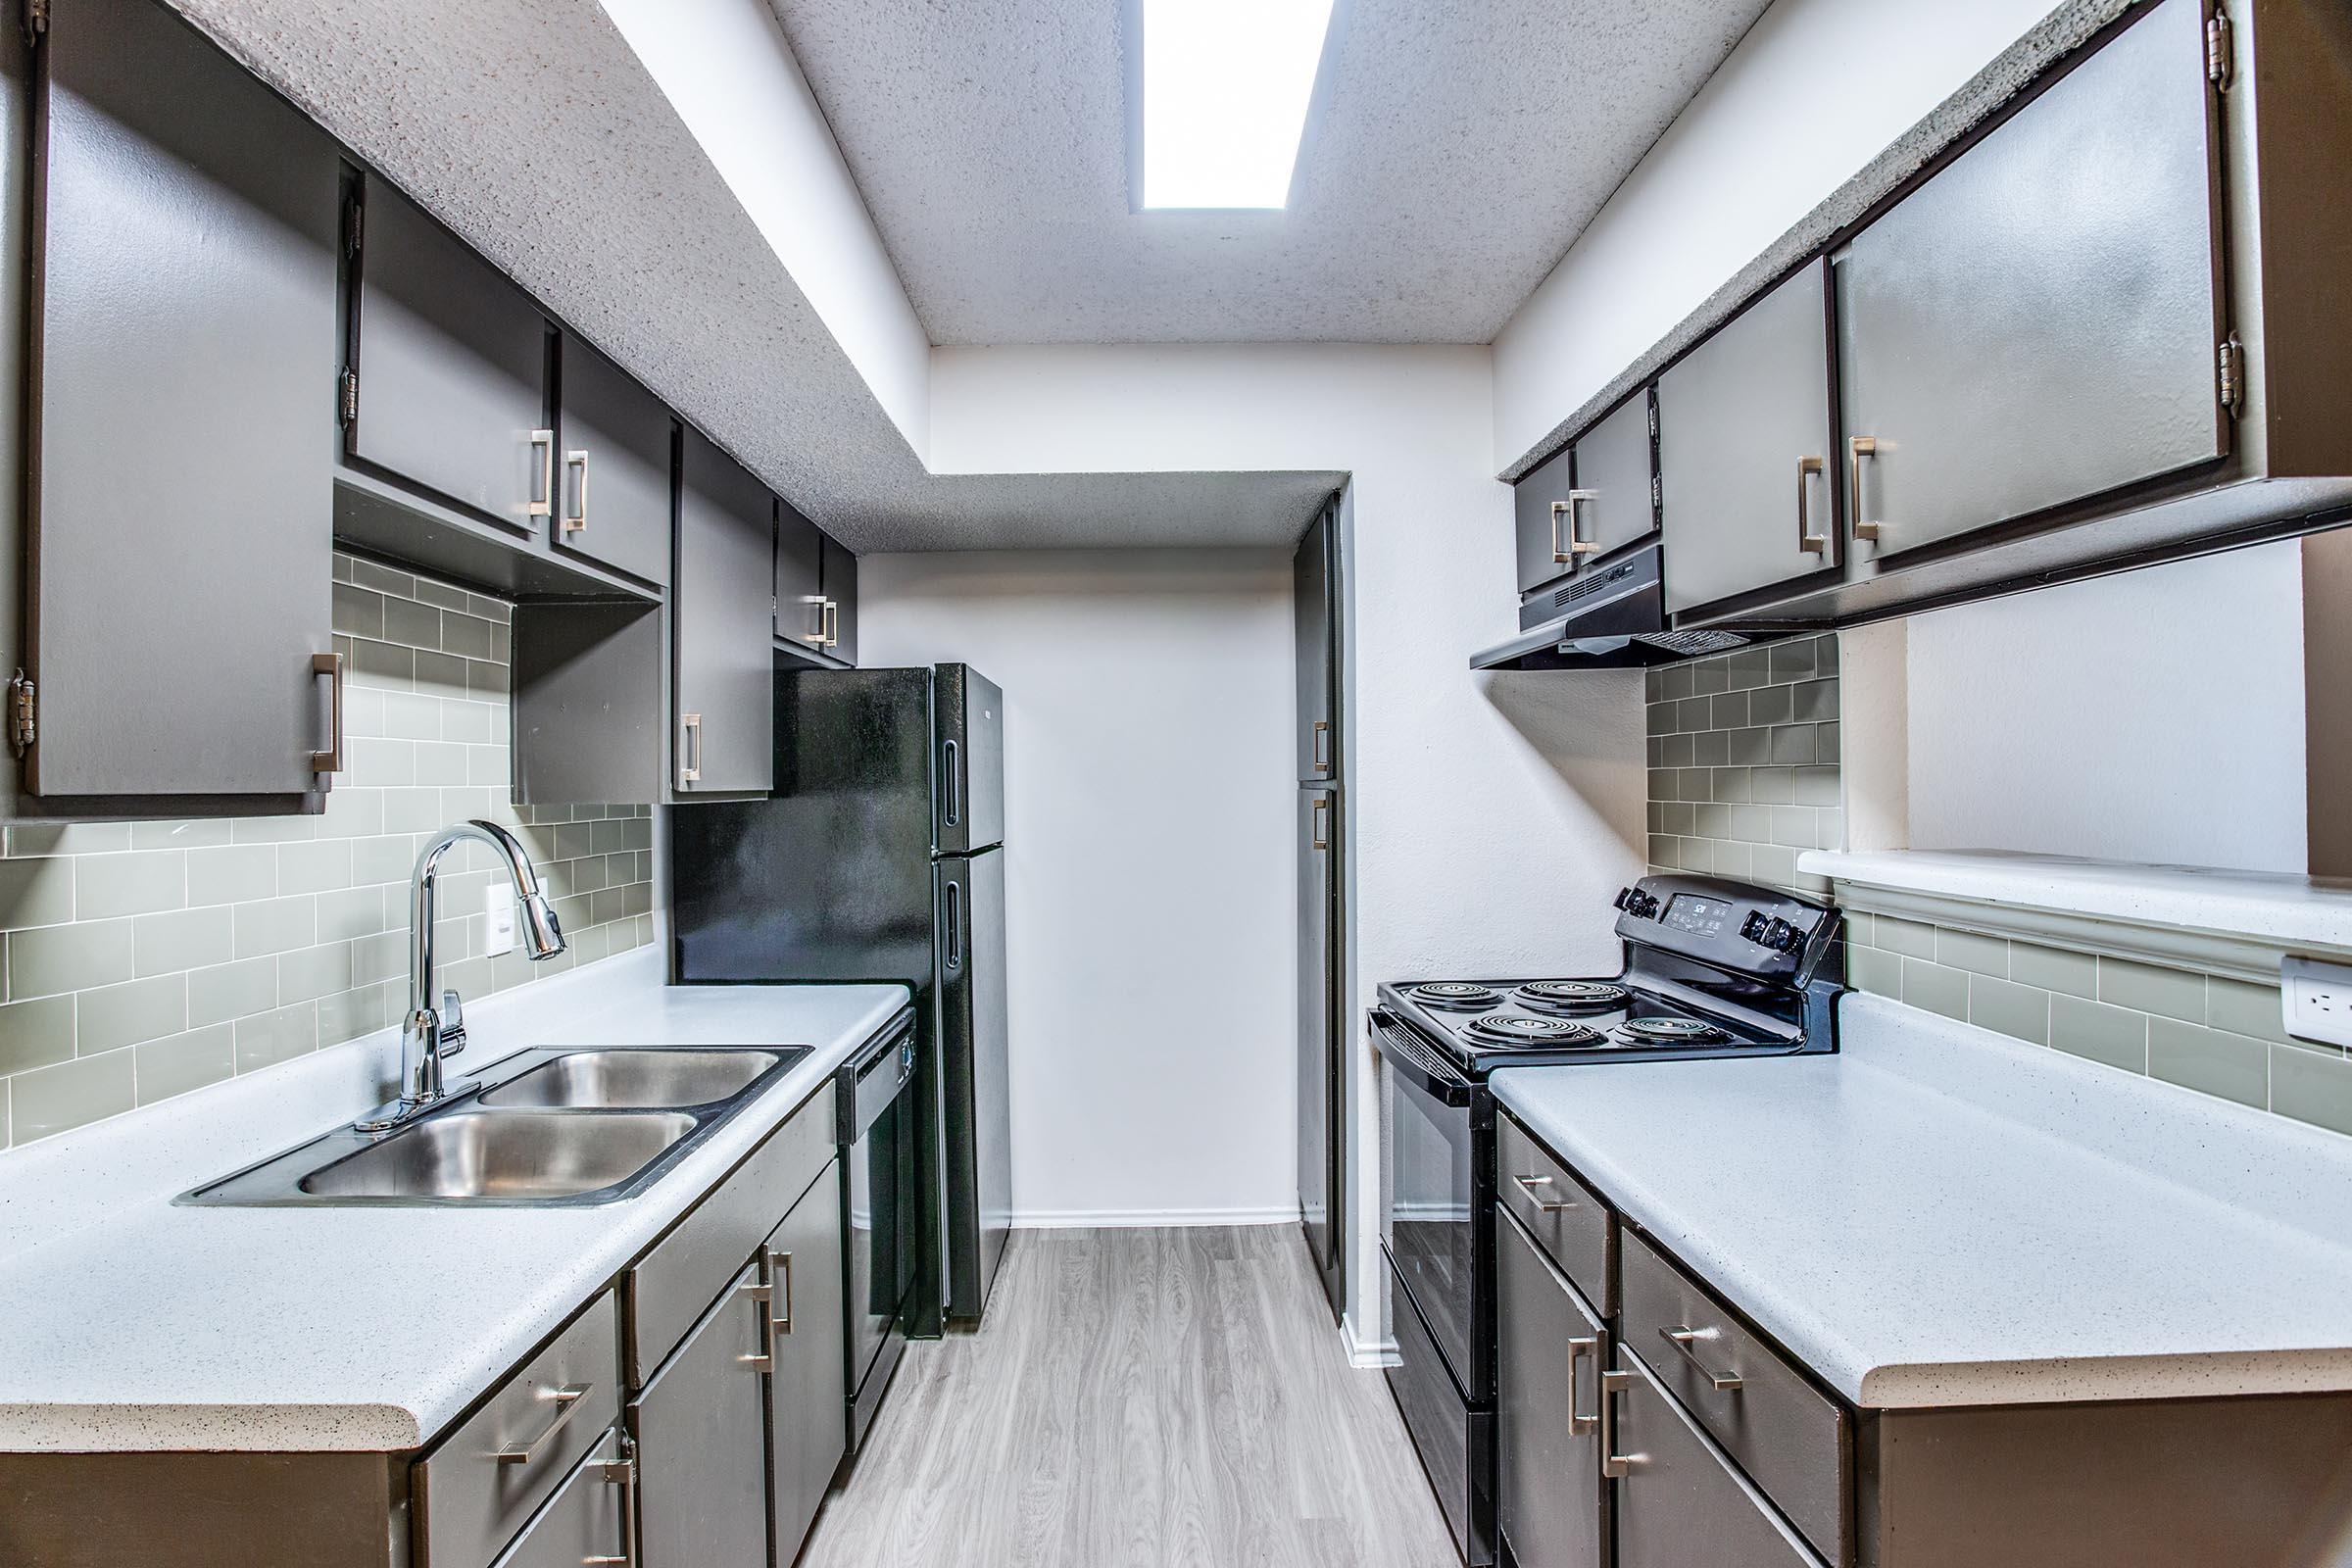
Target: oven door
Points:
(1434, 1219)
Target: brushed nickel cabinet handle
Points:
(1613, 1464)
(1856, 449)
(779, 1312)
(575, 520)
(690, 748)
(543, 500)
(1577, 543)
(1314, 820)
(1528, 1184)
(1581, 1345)
(621, 1473)
(568, 1400)
(830, 620)
(1811, 543)
(756, 1291)
(1322, 754)
(330, 760)
(1683, 1339)
(1560, 557)
(816, 638)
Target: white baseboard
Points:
(1126, 1219)
(1366, 1352)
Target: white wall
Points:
(1150, 874)
(726, 67)
(2157, 715)
(1492, 815)
(1815, 90)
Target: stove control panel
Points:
(1739, 926)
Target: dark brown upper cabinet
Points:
(447, 385)
(1746, 447)
(722, 612)
(2039, 321)
(183, 334)
(615, 487)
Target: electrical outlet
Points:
(2317, 999)
(498, 918)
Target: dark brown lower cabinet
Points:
(1679, 1500)
(702, 1443)
(587, 1521)
(808, 1386)
(1553, 1503)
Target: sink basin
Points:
(615, 1077)
(516, 1155)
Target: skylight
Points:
(1226, 85)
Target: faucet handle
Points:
(452, 1023)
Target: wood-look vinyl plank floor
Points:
(1160, 1398)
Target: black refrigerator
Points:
(880, 857)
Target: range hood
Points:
(1607, 616)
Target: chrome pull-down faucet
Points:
(431, 1031)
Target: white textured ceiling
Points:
(532, 129)
(1461, 147)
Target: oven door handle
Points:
(1417, 1065)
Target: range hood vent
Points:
(1609, 616)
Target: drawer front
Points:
(1680, 1502)
(1568, 1219)
(672, 1286)
(588, 1521)
(1791, 1438)
(477, 1487)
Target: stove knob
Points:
(1753, 928)
(1782, 937)
(1626, 898)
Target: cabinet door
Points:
(1318, 809)
(1743, 450)
(2036, 323)
(841, 601)
(807, 1398)
(721, 614)
(1615, 484)
(616, 439)
(181, 490)
(585, 1522)
(452, 365)
(1678, 1500)
(1312, 578)
(702, 1449)
(1539, 503)
(800, 589)
(1551, 1348)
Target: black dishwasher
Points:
(882, 1214)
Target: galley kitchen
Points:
(1190, 783)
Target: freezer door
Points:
(975, 1084)
(968, 760)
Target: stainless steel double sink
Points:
(570, 1127)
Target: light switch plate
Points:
(2316, 999)
(498, 912)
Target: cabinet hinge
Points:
(2217, 49)
(2233, 367)
(348, 394)
(36, 19)
(23, 721)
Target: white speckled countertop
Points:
(128, 1322)
(1941, 1216)
(2308, 912)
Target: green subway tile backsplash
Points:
(142, 959)
(2216, 1034)
(1743, 762)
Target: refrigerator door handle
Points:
(955, 933)
(951, 785)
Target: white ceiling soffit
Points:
(1457, 151)
(533, 131)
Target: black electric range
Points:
(1711, 969)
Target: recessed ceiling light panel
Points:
(1226, 85)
